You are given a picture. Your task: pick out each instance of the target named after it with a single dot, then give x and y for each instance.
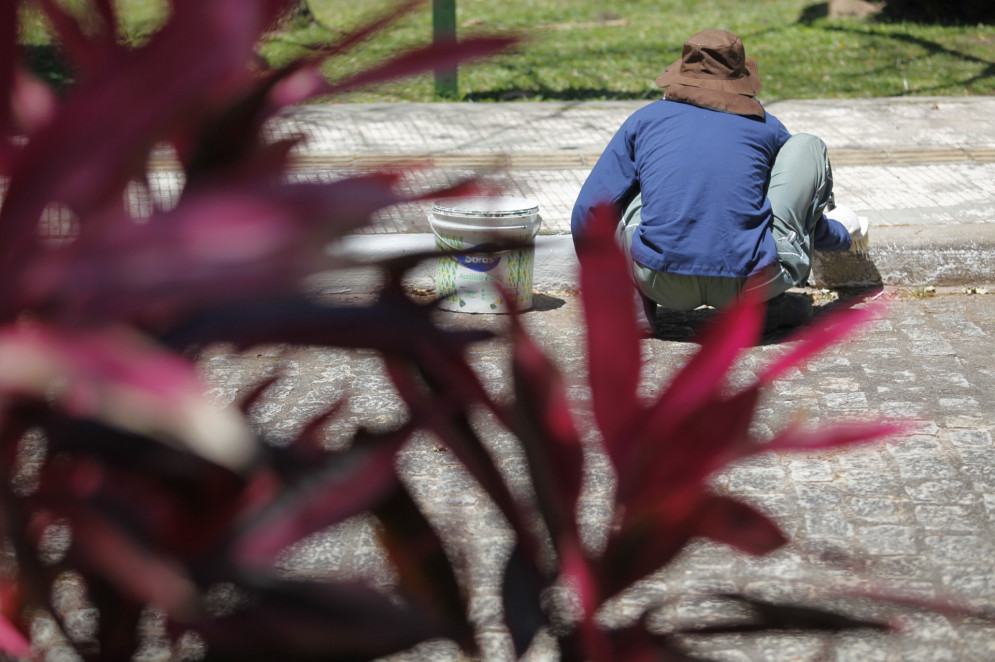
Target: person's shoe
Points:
(645, 313)
(787, 311)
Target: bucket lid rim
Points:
(460, 206)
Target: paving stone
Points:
(811, 470)
(759, 479)
(827, 525)
(961, 549)
(817, 496)
(915, 445)
(865, 459)
(871, 483)
(874, 509)
(925, 467)
(971, 438)
(888, 539)
(981, 476)
(959, 404)
(846, 401)
(946, 518)
(946, 491)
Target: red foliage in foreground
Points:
(167, 496)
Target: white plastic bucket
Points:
(469, 283)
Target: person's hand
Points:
(856, 225)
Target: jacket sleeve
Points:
(830, 235)
(614, 179)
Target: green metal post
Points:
(444, 32)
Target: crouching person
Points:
(711, 190)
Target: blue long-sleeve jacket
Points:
(703, 176)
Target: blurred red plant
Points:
(167, 497)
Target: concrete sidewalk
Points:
(921, 169)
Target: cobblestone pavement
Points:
(916, 513)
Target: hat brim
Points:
(748, 85)
(739, 104)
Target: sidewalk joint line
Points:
(585, 160)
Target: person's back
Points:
(703, 177)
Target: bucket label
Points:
(480, 263)
(472, 283)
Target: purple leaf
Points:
(33, 104)
(8, 67)
(12, 641)
(770, 616)
(733, 329)
(117, 377)
(696, 388)
(173, 513)
(348, 483)
(327, 621)
(690, 449)
(229, 244)
(226, 246)
(439, 388)
(255, 394)
(439, 400)
(613, 336)
(85, 156)
(545, 426)
(117, 628)
(426, 576)
(86, 51)
(816, 336)
(522, 586)
(579, 574)
(442, 411)
(101, 546)
(302, 80)
(645, 544)
(631, 644)
(834, 435)
(361, 34)
(734, 523)
(309, 446)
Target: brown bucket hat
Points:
(714, 72)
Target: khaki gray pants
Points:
(800, 187)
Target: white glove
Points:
(855, 225)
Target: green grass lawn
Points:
(587, 49)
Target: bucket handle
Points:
(482, 248)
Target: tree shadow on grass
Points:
(925, 12)
(933, 48)
(541, 93)
(817, 11)
(814, 12)
(47, 63)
